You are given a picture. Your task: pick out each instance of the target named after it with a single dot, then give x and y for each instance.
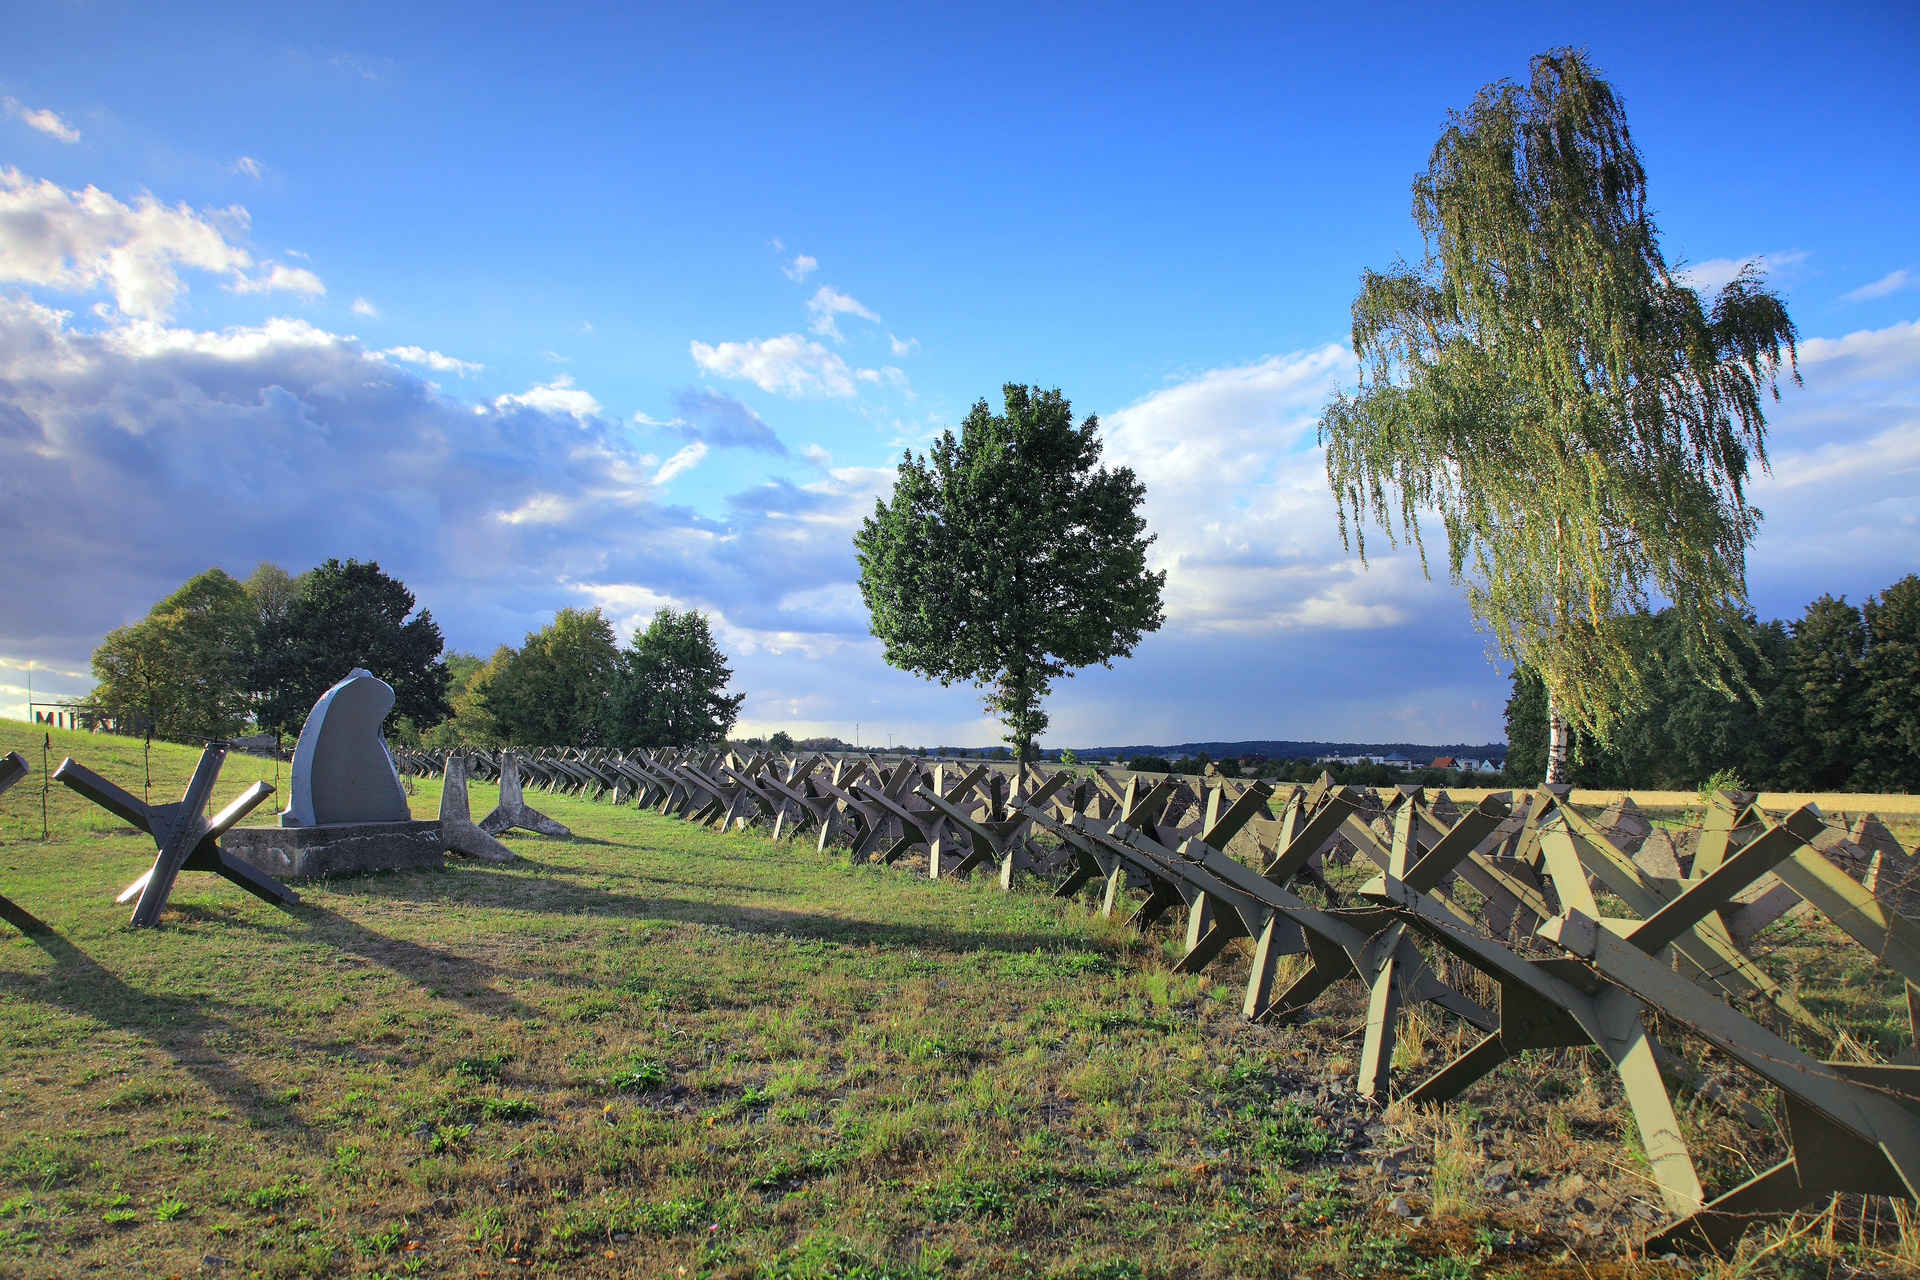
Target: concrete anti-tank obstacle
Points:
(13, 767)
(457, 828)
(187, 840)
(513, 810)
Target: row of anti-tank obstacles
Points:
(1509, 888)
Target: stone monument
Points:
(347, 811)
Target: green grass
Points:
(652, 1047)
(682, 1048)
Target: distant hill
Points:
(1285, 750)
(1270, 748)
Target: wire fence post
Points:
(46, 746)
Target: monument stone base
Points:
(334, 849)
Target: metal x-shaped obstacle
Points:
(187, 839)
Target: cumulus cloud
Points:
(1711, 276)
(679, 462)
(46, 121)
(361, 307)
(904, 348)
(559, 396)
(273, 276)
(1237, 500)
(78, 241)
(826, 303)
(715, 418)
(802, 266)
(1891, 282)
(1843, 498)
(433, 360)
(885, 375)
(790, 365)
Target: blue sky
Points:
(638, 306)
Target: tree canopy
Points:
(1826, 702)
(669, 688)
(184, 666)
(347, 615)
(553, 691)
(1009, 556)
(1580, 419)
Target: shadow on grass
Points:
(553, 894)
(463, 980)
(182, 1027)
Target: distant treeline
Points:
(219, 657)
(572, 685)
(1827, 702)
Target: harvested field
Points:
(652, 1049)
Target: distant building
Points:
(1394, 760)
(1445, 762)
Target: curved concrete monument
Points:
(347, 812)
(341, 770)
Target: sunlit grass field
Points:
(651, 1049)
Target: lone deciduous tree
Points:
(1579, 418)
(1009, 556)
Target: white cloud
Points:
(45, 120)
(559, 396)
(586, 327)
(361, 307)
(826, 303)
(790, 365)
(801, 267)
(247, 165)
(1711, 276)
(433, 360)
(906, 348)
(273, 277)
(679, 462)
(817, 455)
(1843, 499)
(1891, 282)
(885, 375)
(1237, 499)
(714, 418)
(77, 241)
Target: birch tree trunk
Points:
(1559, 741)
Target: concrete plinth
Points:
(337, 848)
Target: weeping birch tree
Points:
(1580, 419)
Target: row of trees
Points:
(1827, 702)
(571, 684)
(219, 656)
